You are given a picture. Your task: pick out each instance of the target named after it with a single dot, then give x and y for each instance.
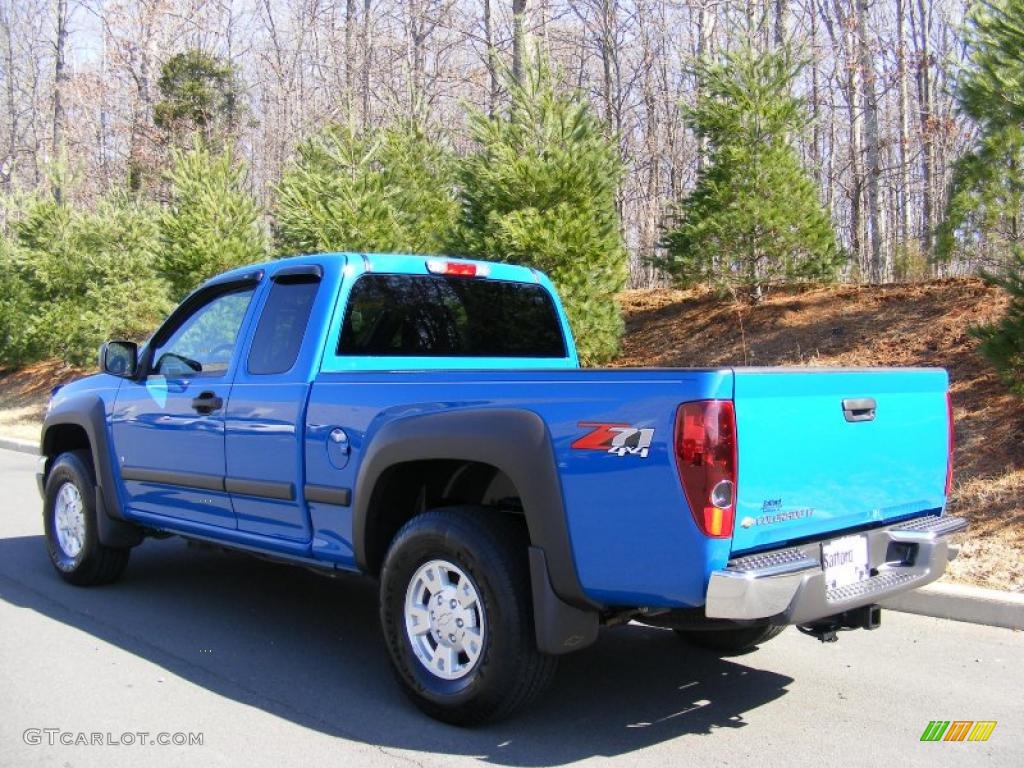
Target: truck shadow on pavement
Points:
(308, 649)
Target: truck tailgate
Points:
(814, 459)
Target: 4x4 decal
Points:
(617, 439)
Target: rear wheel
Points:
(730, 641)
(457, 616)
(69, 520)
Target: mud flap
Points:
(560, 627)
(113, 532)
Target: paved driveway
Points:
(275, 665)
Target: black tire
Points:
(491, 548)
(730, 641)
(94, 563)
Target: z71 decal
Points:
(617, 439)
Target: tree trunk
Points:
(350, 57)
(779, 35)
(706, 20)
(607, 43)
(59, 81)
(924, 95)
(519, 42)
(492, 61)
(878, 270)
(367, 46)
(140, 118)
(815, 102)
(641, 272)
(417, 32)
(903, 193)
(8, 159)
(851, 93)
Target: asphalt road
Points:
(275, 665)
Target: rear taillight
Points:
(705, 447)
(950, 447)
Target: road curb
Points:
(963, 602)
(22, 446)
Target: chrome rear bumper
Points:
(788, 585)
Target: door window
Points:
(202, 345)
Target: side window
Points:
(282, 326)
(203, 344)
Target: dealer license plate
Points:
(845, 561)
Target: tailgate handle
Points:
(859, 409)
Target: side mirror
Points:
(119, 358)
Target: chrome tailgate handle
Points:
(859, 409)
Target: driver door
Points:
(168, 426)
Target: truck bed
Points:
(803, 469)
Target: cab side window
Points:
(203, 344)
(282, 326)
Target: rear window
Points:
(438, 316)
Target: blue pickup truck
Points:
(424, 420)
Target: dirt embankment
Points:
(896, 325)
(23, 396)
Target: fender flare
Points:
(516, 442)
(89, 413)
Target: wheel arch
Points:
(511, 443)
(80, 423)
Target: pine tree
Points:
(986, 205)
(983, 216)
(199, 93)
(393, 190)
(540, 190)
(986, 201)
(754, 217)
(80, 278)
(211, 223)
(15, 307)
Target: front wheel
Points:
(69, 520)
(456, 612)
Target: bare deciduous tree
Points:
(882, 130)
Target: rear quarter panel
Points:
(633, 539)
